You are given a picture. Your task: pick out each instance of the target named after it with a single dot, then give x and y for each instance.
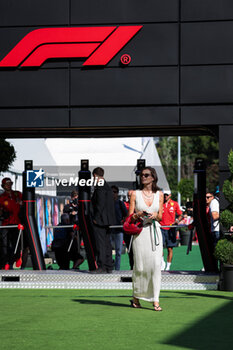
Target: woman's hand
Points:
(138, 215)
(153, 216)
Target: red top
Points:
(170, 209)
(127, 205)
(10, 202)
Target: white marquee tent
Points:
(118, 156)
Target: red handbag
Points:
(132, 227)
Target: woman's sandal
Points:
(157, 308)
(135, 305)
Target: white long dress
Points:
(147, 250)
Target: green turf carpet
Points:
(100, 319)
(181, 261)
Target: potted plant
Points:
(224, 253)
(224, 248)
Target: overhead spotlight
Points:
(199, 164)
(28, 165)
(141, 163)
(84, 164)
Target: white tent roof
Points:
(30, 149)
(118, 156)
(101, 152)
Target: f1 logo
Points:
(99, 44)
(35, 178)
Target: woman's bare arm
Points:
(132, 202)
(160, 212)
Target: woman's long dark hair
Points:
(155, 188)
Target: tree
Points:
(185, 187)
(7, 155)
(167, 149)
(192, 147)
(205, 147)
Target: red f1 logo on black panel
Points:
(98, 44)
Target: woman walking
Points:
(147, 203)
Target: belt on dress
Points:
(154, 242)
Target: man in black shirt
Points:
(103, 215)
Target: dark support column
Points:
(85, 223)
(200, 217)
(225, 144)
(31, 228)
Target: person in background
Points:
(10, 205)
(213, 204)
(72, 208)
(103, 216)
(186, 220)
(61, 242)
(170, 209)
(117, 234)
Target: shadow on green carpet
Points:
(103, 319)
(213, 331)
